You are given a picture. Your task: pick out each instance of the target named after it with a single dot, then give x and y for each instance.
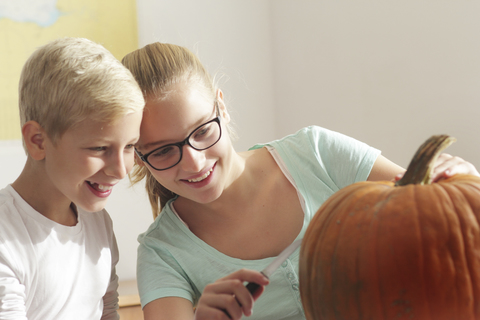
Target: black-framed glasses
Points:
(203, 137)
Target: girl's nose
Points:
(192, 160)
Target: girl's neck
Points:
(248, 172)
(256, 216)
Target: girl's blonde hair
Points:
(157, 67)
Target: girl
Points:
(222, 215)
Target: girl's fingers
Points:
(258, 293)
(443, 167)
(207, 312)
(219, 306)
(447, 166)
(247, 275)
(230, 296)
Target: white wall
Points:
(387, 73)
(231, 37)
(390, 73)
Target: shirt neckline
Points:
(31, 213)
(211, 250)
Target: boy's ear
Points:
(34, 137)
(221, 105)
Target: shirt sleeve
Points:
(12, 292)
(345, 159)
(322, 162)
(158, 273)
(110, 299)
(334, 159)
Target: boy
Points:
(80, 112)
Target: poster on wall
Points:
(27, 24)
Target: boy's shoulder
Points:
(14, 211)
(12, 225)
(7, 206)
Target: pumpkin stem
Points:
(420, 169)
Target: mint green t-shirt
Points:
(172, 261)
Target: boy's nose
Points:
(192, 160)
(116, 166)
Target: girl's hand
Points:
(447, 166)
(227, 298)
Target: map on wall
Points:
(27, 24)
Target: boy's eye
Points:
(129, 146)
(98, 148)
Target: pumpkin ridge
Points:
(322, 223)
(475, 257)
(469, 225)
(379, 292)
(337, 222)
(425, 261)
(356, 271)
(463, 271)
(401, 231)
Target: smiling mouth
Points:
(100, 187)
(202, 177)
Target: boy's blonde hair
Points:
(71, 79)
(157, 67)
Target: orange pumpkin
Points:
(380, 251)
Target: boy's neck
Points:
(39, 193)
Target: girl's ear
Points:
(138, 161)
(221, 105)
(34, 137)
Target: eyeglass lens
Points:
(202, 138)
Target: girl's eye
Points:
(202, 132)
(163, 152)
(129, 146)
(98, 148)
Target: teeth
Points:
(202, 177)
(100, 187)
(104, 188)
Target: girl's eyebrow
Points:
(162, 142)
(150, 144)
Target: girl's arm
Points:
(445, 166)
(384, 170)
(227, 295)
(169, 308)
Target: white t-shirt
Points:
(51, 271)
